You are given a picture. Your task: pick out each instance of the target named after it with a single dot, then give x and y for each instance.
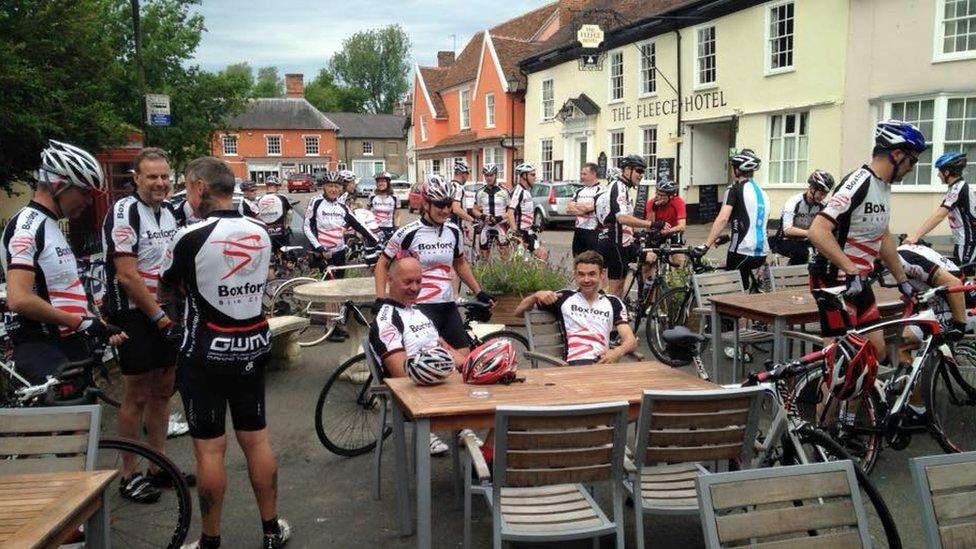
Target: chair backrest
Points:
(48, 440)
(546, 445)
(683, 426)
(789, 276)
(715, 283)
(800, 506)
(375, 368)
(545, 334)
(946, 490)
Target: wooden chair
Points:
(547, 342)
(946, 490)
(49, 440)
(676, 430)
(542, 457)
(789, 277)
(714, 283)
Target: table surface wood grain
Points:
(796, 306)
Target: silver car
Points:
(551, 200)
(401, 190)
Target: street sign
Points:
(157, 109)
(590, 36)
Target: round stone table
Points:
(336, 292)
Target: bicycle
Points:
(346, 410)
(493, 226)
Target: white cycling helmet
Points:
(460, 166)
(613, 173)
(346, 176)
(430, 367)
(438, 189)
(490, 169)
(75, 165)
(524, 168)
(745, 161)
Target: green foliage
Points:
(518, 276)
(377, 62)
(325, 95)
(268, 83)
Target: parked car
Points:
(551, 200)
(301, 182)
(401, 190)
(415, 199)
(238, 195)
(366, 187)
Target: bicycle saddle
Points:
(682, 337)
(286, 249)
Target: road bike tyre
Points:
(519, 341)
(950, 398)
(145, 525)
(346, 413)
(670, 309)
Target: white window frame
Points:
(438, 163)
(423, 127)
(610, 81)
(223, 144)
(489, 110)
(547, 104)
(464, 108)
(800, 175)
(644, 92)
(544, 165)
(699, 85)
(495, 155)
(611, 158)
(318, 144)
(368, 148)
(768, 64)
(267, 143)
(651, 165)
(938, 38)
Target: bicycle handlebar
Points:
(801, 366)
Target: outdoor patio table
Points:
(41, 510)
(336, 292)
(455, 405)
(780, 309)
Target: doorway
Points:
(707, 145)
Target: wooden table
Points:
(41, 510)
(454, 405)
(336, 292)
(780, 309)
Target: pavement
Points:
(327, 498)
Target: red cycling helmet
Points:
(489, 363)
(852, 365)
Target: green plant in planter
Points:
(519, 277)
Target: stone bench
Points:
(285, 350)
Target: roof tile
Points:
(281, 113)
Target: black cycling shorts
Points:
(585, 239)
(862, 308)
(277, 241)
(582, 362)
(338, 259)
(208, 391)
(41, 357)
(529, 239)
(745, 264)
(447, 320)
(147, 348)
(616, 258)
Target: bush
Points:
(518, 277)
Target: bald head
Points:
(404, 280)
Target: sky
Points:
(301, 35)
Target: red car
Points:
(300, 182)
(415, 199)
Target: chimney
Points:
(294, 86)
(569, 9)
(445, 59)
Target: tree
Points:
(323, 93)
(377, 62)
(268, 83)
(240, 72)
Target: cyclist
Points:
(490, 205)
(746, 205)
(436, 242)
(615, 214)
(183, 212)
(49, 320)
(852, 230)
(135, 235)
(275, 211)
(348, 181)
(959, 205)
(384, 205)
(798, 212)
(520, 213)
(460, 217)
(583, 206)
(588, 316)
(325, 221)
(668, 213)
(249, 207)
(221, 266)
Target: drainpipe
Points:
(677, 154)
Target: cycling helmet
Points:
(852, 365)
(895, 134)
(248, 185)
(273, 180)
(613, 173)
(745, 161)
(328, 177)
(345, 176)
(491, 362)
(952, 162)
(822, 179)
(524, 168)
(384, 175)
(460, 166)
(437, 189)
(76, 166)
(430, 367)
(667, 187)
(489, 169)
(632, 161)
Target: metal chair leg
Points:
(378, 452)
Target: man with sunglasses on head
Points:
(959, 205)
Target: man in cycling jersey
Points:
(588, 316)
(220, 265)
(615, 214)
(459, 216)
(347, 179)
(583, 206)
(490, 206)
(959, 205)
(668, 214)
(746, 206)
(275, 211)
(798, 213)
(135, 234)
(49, 319)
(326, 219)
(249, 206)
(852, 230)
(521, 211)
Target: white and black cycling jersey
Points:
(587, 195)
(859, 209)
(798, 211)
(344, 198)
(133, 228)
(249, 208)
(221, 264)
(273, 209)
(326, 221)
(184, 212)
(920, 264)
(586, 325)
(613, 202)
(436, 247)
(33, 241)
(384, 207)
(961, 203)
(398, 327)
(750, 213)
(520, 202)
(493, 201)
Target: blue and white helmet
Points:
(895, 134)
(952, 162)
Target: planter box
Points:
(502, 313)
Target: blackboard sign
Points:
(601, 163)
(665, 170)
(708, 204)
(643, 192)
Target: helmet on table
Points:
(430, 366)
(491, 362)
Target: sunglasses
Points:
(443, 204)
(639, 171)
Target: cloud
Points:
(301, 35)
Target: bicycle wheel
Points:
(950, 398)
(346, 412)
(670, 309)
(107, 381)
(164, 523)
(283, 300)
(519, 342)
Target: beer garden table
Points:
(455, 405)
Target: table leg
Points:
(422, 460)
(402, 472)
(97, 532)
(779, 342)
(716, 342)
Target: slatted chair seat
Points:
(945, 486)
(671, 488)
(560, 508)
(714, 283)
